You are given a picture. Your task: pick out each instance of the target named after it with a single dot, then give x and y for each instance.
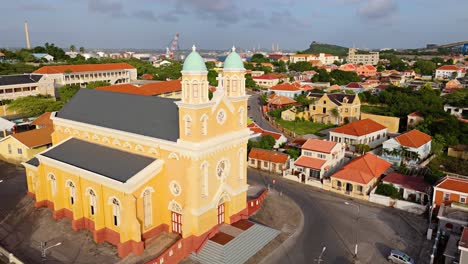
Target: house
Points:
(83, 74)
(449, 72)
(280, 101)
(43, 121)
(43, 56)
(332, 88)
(6, 127)
(287, 89)
(458, 151)
(21, 85)
(414, 119)
(409, 148)
(410, 187)
(349, 67)
(268, 160)
(409, 74)
(450, 190)
(20, 147)
(379, 88)
(323, 58)
(335, 108)
(289, 114)
(463, 246)
(452, 86)
(319, 158)
(257, 133)
(136, 184)
(360, 176)
(270, 80)
(456, 111)
(169, 89)
(362, 57)
(2, 57)
(355, 87)
(365, 131)
(367, 70)
(391, 123)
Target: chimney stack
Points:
(26, 32)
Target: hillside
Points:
(316, 47)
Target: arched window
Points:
(241, 164)
(92, 201)
(188, 125)
(147, 208)
(204, 125)
(53, 184)
(187, 87)
(234, 84)
(72, 190)
(195, 88)
(116, 211)
(204, 180)
(241, 116)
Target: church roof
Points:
(109, 162)
(194, 62)
(233, 61)
(155, 117)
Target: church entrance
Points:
(176, 223)
(220, 214)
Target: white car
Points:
(400, 257)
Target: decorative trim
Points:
(175, 188)
(175, 207)
(148, 188)
(224, 188)
(173, 155)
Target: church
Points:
(127, 167)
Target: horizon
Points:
(292, 24)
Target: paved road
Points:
(330, 223)
(255, 113)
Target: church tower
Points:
(234, 71)
(194, 79)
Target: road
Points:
(255, 113)
(330, 223)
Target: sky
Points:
(220, 24)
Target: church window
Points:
(221, 117)
(53, 184)
(195, 88)
(204, 181)
(92, 201)
(222, 169)
(188, 125)
(72, 190)
(241, 116)
(116, 211)
(204, 125)
(148, 210)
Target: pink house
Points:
(366, 70)
(348, 67)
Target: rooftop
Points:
(281, 100)
(408, 182)
(413, 139)
(268, 155)
(270, 76)
(309, 162)
(363, 169)
(324, 146)
(43, 120)
(286, 87)
(149, 89)
(19, 79)
(83, 68)
(453, 184)
(360, 127)
(35, 138)
(449, 68)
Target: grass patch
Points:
(376, 110)
(303, 127)
(449, 164)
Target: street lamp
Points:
(319, 260)
(357, 227)
(44, 248)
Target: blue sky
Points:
(219, 24)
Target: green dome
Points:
(194, 62)
(233, 61)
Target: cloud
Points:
(108, 7)
(145, 15)
(377, 9)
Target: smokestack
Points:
(26, 32)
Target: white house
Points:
(455, 111)
(365, 131)
(324, 58)
(449, 72)
(286, 89)
(44, 56)
(408, 148)
(411, 187)
(319, 158)
(257, 133)
(21, 85)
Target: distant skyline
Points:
(210, 24)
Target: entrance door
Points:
(220, 213)
(349, 187)
(176, 223)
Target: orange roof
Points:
(149, 89)
(43, 120)
(124, 88)
(268, 155)
(257, 129)
(360, 128)
(454, 184)
(449, 68)
(270, 76)
(413, 139)
(309, 162)
(363, 169)
(35, 138)
(281, 100)
(416, 114)
(147, 76)
(324, 146)
(286, 87)
(83, 68)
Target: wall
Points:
(11, 258)
(395, 203)
(392, 123)
(14, 157)
(254, 205)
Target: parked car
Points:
(400, 257)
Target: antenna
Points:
(26, 32)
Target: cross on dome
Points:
(233, 49)
(194, 48)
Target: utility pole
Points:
(26, 32)
(356, 227)
(44, 249)
(319, 259)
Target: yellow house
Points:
(20, 147)
(335, 108)
(392, 123)
(289, 114)
(127, 167)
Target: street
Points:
(330, 223)
(255, 113)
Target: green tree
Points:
(259, 58)
(424, 67)
(458, 98)
(212, 75)
(34, 105)
(72, 48)
(67, 92)
(293, 152)
(388, 190)
(300, 66)
(249, 82)
(94, 85)
(210, 65)
(82, 49)
(344, 77)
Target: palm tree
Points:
(82, 49)
(335, 114)
(72, 48)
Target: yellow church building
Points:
(127, 167)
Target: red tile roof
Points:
(464, 238)
(270, 76)
(43, 120)
(268, 155)
(83, 68)
(259, 130)
(413, 139)
(147, 76)
(363, 169)
(449, 68)
(454, 184)
(354, 85)
(149, 89)
(281, 100)
(408, 182)
(310, 162)
(416, 114)
(360, 127)
(318, 145)
(35, 138)
(286, 87)
(124, 88)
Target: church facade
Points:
(127, 167)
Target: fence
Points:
(174, 254)
(284, 131)
(254, 204)
(9, 256)
(395, 203)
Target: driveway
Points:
(330, 223)
(255, 113)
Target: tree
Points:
(210, 65)
(437, 144)
(300, 66)
(67, 92)
(362, 148)
(344, 77)
(212, 75)
(94, 85)
(293, 152)
(72, 48)
(82, 49)
(458, 98)
(388, 190)
(249, 82)
(259, 58)
(424, 67)
(34, 105)
(335, 113)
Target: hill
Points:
(316, 47)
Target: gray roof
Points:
(109, 162)
(34, 162)
(155, 117)
(19, 79)
(336, 98)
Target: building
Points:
(449, 72)
(366, 70)
(21, 85)
(270, 80)
(391, 123)
(2, 57)
(319, 158)
(323, 58)
(349, 67)
(360, 176)
(43, 121)
(335, 108)
(463, 246)
(355, 87)
(458, 151)
(358, 57)
(414, 119)
(287, 89)
(456, 111)
(43, 56)
(365, 131)
(169, 89)
(160, 165)
(289, 114)
(268, 160)
(20, 147)
(257, 133)
(85, 73)
(280, 101)
(409, 148)
(411, 188)
(450, 190)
